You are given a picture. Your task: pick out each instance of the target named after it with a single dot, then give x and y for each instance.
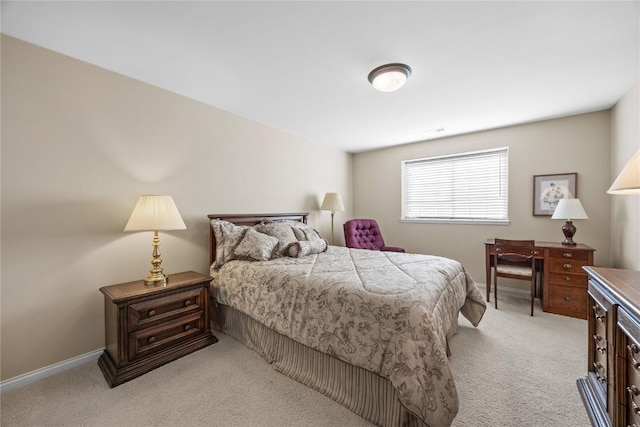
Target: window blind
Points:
(462, 187)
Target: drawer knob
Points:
(151, 313)
(187, 303)
(567, 298)
(597, 337)
(599, 317)
(567, 278)
(567, 255)
(151, 339)
(187, 327)
(598, 366)
(567, 266)
(633, 349)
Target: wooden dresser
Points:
(148, 326)
(611, 389)
(564, 282)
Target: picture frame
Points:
(549, 189)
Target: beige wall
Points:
(574, 144)
(79, 144)
(625, 210)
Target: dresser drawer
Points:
(569, 254)
(631, 387)
(164, 335)
(568, 279)
(567, 265)
(568, 300)
(157, 310)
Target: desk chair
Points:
(514, 259)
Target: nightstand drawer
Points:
(164, 335)
(568, 301)
(156, 310)
(148, 326)
(568, 254)
(568, 279)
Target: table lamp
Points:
(569, 209)
(628, 182)
(155, 213)
(332, 202)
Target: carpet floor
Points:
(513, 370)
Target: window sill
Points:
(456, 221)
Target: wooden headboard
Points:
(249, 219)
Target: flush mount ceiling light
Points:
(389, 77)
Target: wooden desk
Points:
(563, 282)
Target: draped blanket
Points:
(390, 313)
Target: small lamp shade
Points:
(332, 202)
(154, 213)
(628, 181)
(569, 209)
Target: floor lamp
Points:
(332, 202)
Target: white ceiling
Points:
(302, 66)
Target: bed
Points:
(369, 329)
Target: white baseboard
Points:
(47, 371)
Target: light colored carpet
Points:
(514, 370)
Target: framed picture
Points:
(549, 189)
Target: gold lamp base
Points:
(155, 280)
(156, 276)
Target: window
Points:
(466, 188)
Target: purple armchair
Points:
(365, 234)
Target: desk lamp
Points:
(569, 209)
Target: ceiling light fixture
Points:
(389, 77)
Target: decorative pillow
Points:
(281, 231)
(257, 246)
(228, 236)
(307, 247)
(306, 233)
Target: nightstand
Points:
(148, 326)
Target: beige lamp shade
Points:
(154, 213)
(569, 209)
(332, 202)
(628, 181)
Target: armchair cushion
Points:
(365, 234)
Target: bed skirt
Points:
(363, 392)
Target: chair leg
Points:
(495, 289)
(533, 290)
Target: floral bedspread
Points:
(387, 312)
